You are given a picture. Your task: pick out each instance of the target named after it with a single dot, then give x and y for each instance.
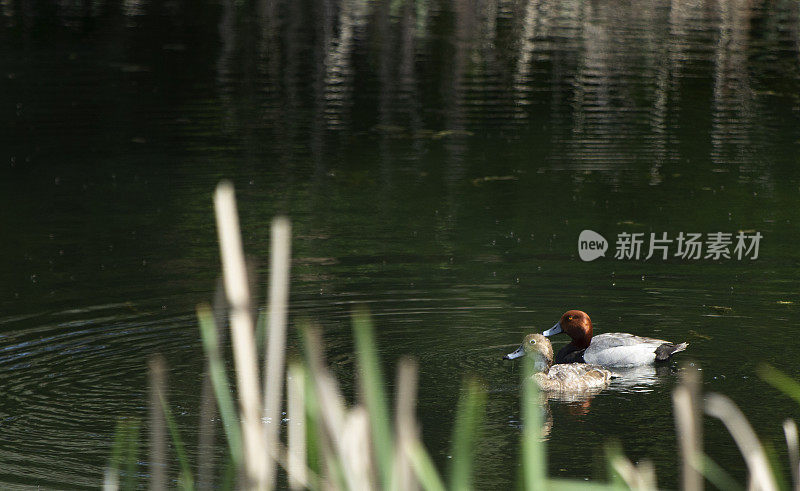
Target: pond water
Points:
(439, 161)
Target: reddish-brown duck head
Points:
(577, 325)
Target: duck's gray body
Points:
(620, 349)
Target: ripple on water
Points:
(66, 377)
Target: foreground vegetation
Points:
(326, 444)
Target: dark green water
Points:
(438, 164)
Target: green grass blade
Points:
(465, 434)
(185, 477)
(229, 474)
(371, 381)
(322, 456)
(573, 485)
(118, 447)
(227, 409)
(775, 466)
(533, 449)
(131, 455)
(424, 468)
(314, 452)
(124, 455)
(613, 451)
(780, 381)
(716, 475)
(296, 434)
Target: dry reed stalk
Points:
(355, 450)
(280, 252)
(331, 402)
(110, 480)
(158, 425)
(331, 407)
(723, 408)
(296, 458)
(688, 425)
(790, 430)
(405, 424)
(244, 350)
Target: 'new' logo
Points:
(591, 245)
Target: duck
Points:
(572, 377)
(612, 349)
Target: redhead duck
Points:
(612, 349)
(560, 378)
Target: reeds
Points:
(243, 336)
(686, 401)
(761, 472)
(331, 445)
(281, 235)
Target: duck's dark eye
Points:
(569, 318)
(533, 341)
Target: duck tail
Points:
(666, 350)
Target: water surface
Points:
(438, 161)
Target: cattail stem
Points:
(280, 253)
(242, 335)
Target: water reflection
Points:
(626, 380)
(610, 84)
(634, 379)
(574, 396)
(642, 378)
